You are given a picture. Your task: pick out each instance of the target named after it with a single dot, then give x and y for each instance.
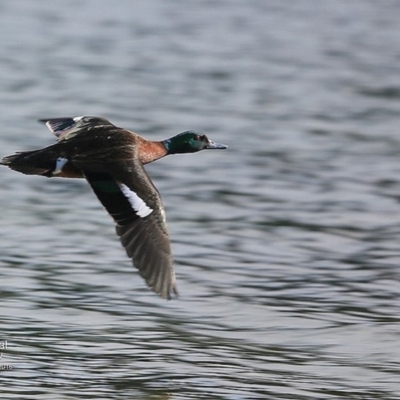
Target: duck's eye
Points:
(197, 137)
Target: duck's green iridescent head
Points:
(191, 142)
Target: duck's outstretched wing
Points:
(135, 205)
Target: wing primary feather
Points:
(144, 238)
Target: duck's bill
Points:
(213, 145)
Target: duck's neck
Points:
(150, 151)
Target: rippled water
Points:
(286, 246)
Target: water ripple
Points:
(285, 246)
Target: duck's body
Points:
(111, 159)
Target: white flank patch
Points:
(59, 165)
(140, 207)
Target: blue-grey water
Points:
(286, 245)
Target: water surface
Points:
(286, 246)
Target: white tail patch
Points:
(139, 206)
(59, 165)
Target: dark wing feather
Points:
(59, 126)
(145, 237)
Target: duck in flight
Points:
(111, 159)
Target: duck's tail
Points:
(35, 162)
(45, 162)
